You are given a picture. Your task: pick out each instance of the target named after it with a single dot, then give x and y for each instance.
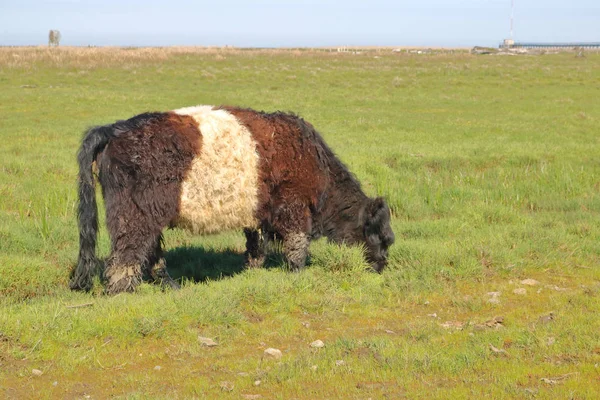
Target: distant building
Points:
(511, 44)
(508, 43)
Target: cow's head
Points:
(377, 232)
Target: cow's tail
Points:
(94, 141)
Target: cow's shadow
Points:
(199, 264)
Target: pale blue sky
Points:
(271, 23)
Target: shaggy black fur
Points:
(142, 163)
(306, 189)
(346, 214)
(94, 141)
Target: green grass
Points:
(490, 164)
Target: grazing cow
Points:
(209, 169)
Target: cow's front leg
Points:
(295, 249)
(293, 222)
(256, 243)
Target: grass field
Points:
(492, 168)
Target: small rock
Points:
(208, 342)
(434, 315)
(554, 287)
(559, 379)
(496, 350)
(317, 344)
(226, 386)
(157, 368)
(36, 372)
(257, 382)
(55, 383)
(493, 297)
(314, 368)
(426, 303)
(339, 363)
(306, 324)
(546, 319)
(529, 282)
(275, 353)
(452, 324)
(521, 291)
(496, 322)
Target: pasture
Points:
(491, 165)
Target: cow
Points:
(209, 169)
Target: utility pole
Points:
(512, 17)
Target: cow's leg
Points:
(293, 223)
(135, 220)
(123, 271)
(295, 249)
(156, 266)
(256, 243)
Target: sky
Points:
(295, 23)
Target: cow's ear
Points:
(377, 211)
(377, 224)
(377, 215)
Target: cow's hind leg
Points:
(135, 223)
(123, 271)
(125, 266)
(156, 266)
